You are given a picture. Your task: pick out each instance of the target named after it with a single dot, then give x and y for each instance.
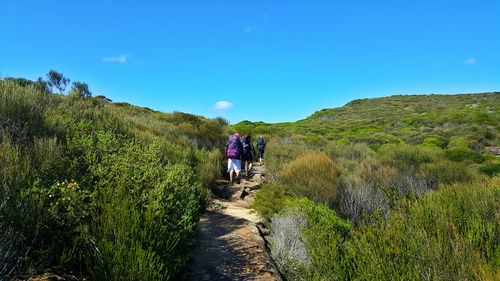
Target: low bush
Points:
(278, 154)
(313, 175)
(270, 200)
(209, 166)
(365, 190)
(306, 234)
(461, 154)
(490, 168)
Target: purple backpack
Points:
(233, 147)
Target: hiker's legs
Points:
(231, 167)
(231, 178)
(237, 168)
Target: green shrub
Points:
(447, 172)
(433, 142)
(461, 154)
(407, 157)
(155, 236)
(313, 175)
(308, 240)
(209, 166)
(270, 200)
(118, 250)
(277, 155)
(491, 169)
(458, 141)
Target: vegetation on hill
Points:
(382, 189)
(105, 190)
(419, 119)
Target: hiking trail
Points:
(229, 243)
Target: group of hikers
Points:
(240, 149)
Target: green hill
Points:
(410, 119)
(390, 188)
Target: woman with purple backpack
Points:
(234, 150)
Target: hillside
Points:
(401, 187)
(409, 119)
(104, 190)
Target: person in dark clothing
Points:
(261, 146)
(248, 153)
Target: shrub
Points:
(308, 240)
(461, 154)
(209, 166)
(277, 155)
(349, 155)
(491, 168)
(270, 200)
(457, 141)
(433, 142)
(447, 172)
(288, 248)
(313, 175)
(366, 190)
(117, 249)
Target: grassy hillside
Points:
(105, 190)
(395, 119)
(382, 189)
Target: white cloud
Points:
(223, 105)
(470, 61)
(120, 59)
(250, 28)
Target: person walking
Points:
(261, 146)
(233, 153)
(248, 153)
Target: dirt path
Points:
(229, 245)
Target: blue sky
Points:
(255, 60)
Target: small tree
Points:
(57, 79)
(81, 89)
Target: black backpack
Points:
(247, 149)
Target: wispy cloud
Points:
(470, 61)
(120, 59)
(250, 28)
(223, 105)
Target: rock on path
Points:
(229, 245)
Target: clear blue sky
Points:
(271, 60)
